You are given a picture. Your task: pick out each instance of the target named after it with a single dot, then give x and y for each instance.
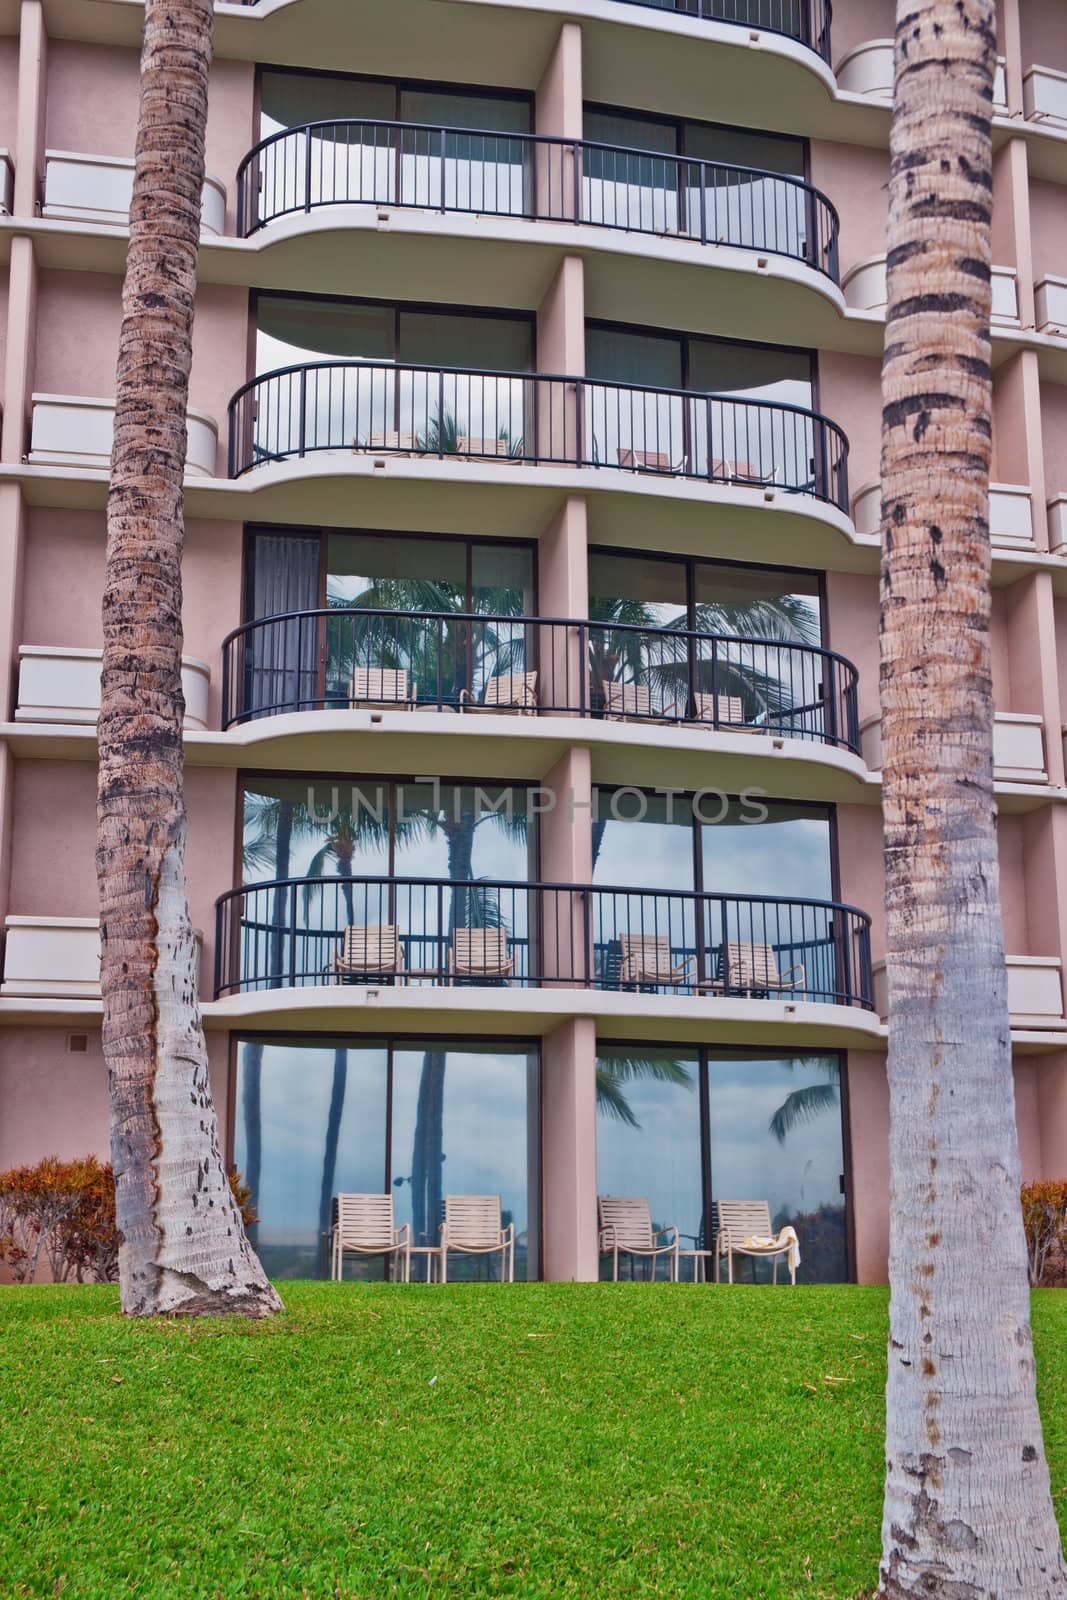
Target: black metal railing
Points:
(396, 931)
(519, 175)
(342, 657)
(398, 409)
(806, 21)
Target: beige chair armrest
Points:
(507, 1235)
(607, 1238)
(402, 1235)
(792, 970)
(466, 698)
(661, 1233)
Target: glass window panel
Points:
(756, 372)
(383, 572)
(775, 1125)
(465, 1121)
(759, 601)
(449, 109)
(787, 854)
(640, 590)
(648, 1140)
(622, 188)
(290, 99)
(502, 579)
(446, 339)
(615, 356)
(741, 148)
(291, 330)
(485, 170)
(310, 1123)
(643, 842)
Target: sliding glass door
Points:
(419, 1119)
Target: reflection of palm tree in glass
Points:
(443, 658)
(806, 1105)
(669, 668)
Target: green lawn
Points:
(614, 1441)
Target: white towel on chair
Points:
(766, 1241)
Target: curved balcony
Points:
(472, 172)
(426, 932)
(517, 418)
(340, 658)
(805, 21)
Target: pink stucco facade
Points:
(555, 263)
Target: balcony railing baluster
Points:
(374, 408)
(432, 931)
(344, 657)
(524, 176)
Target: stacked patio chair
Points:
(626, 1229)
(513, 693)
(473, 1226)
(369, 950)
(382, 689)
(752, 969)
(364, 1225)
(646, 962)
(480, 954)
(743, 1228)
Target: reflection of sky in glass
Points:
(660, 1159)
(787, 855)
(485, 1140)
(485, 1126)
(747, 1162)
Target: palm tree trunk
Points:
(428, 1153)
(183, 1245)
(967, 1506)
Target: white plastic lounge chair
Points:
(364, 1225)
(646, 959)
(369, 950)
(480, 953)
(473, 1227)
(743, 1228)
(624, 700)
(631, 460)
(382, 689)
(501, 449)
(402, 444)
(512, 693)
(626, 1229)
(753, 969)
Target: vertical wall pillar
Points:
(568, 1171)
(561, 353)
(868, 1142)
(30, 123)
(563, 594)
(1051, 1073)
(567, 860)
(559, 114)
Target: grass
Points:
(473, 1441)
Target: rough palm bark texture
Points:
(968, 1514)
(183, 1246)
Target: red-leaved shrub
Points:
(62, 1214)
(1045, 1221)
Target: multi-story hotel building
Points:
(531, 603)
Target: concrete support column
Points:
(561, 352)
(563, 591)
(1010, 45)
(21, 349)
(568, 1166)
(559, 114)
(867, 1133)
(30, 123)
(1051, 1074)
(567, 859)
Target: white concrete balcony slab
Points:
(868, 69)
(57, 684)
(1045, 96)
(865, 289)
(77, 431)
(1011, 514)
(88, 188)
(53, 958)
(7, 183)
(1018, 747)
(1050, 296)
(1035, 991)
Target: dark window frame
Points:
(679, 124)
